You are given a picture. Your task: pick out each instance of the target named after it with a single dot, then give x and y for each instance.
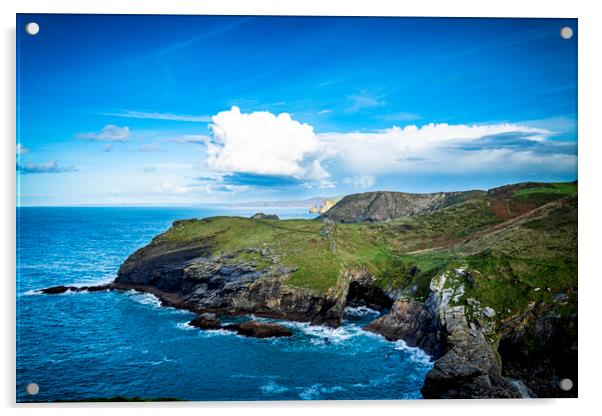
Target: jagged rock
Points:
(488, 312)
(470, 368)
(206, 321)
(259, 329)
(414, 323)
(187, 275)
(262, 216)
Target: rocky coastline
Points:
(478, 351)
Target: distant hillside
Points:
(387, 206)
(303, 203)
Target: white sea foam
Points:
(208, 333)
(316, 390)
(161, 361)
(416, 354)
(32, 292)
(273, 388)
(146, 299)
(185, 326)
(322, 332)
(360, 311)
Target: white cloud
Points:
(22, 150)
(431, 148)
(160, 116)
(364, 100)
(360, 181)
(150, 147)
(265, 144)
(109, 133)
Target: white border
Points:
(590, 180)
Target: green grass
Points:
(538, 252)
(546, 192)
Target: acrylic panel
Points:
(266, 208)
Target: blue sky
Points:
(194, 109)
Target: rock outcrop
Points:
(414, 323)
(470, 368)
(387, 206)
(262, 216)
(259, 329)
(189, 276)
(206, 321)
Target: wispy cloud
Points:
(149, 147)
(109, 133)
(203, 36)
(48, 167)
(362, 101)
(22, 150)
(159, 116)
(199, 139)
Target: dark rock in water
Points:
(56, 290)
(262, 216)
(414, 323)
(206, 321)
(259, 329)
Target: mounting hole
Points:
(32, 389)
(32, 28)
(566, 32)
(566, 384)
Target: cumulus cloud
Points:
(109, 133)
(265, 144)
(48, 167)
(262, 149)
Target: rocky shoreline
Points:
(466, 365)
(483, 283)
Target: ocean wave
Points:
(315, 391)
(185, 326)
(162, 361)
(360, 311)
(322, 332)
(208, 333)
(32, 292)
(416, 354)
(273, 388)
(375, 382)
(145, 298)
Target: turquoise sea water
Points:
(98, 345)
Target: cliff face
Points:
(387, 206)
(245, 281)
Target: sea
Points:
(89, 346)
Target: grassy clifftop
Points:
(520, 239)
